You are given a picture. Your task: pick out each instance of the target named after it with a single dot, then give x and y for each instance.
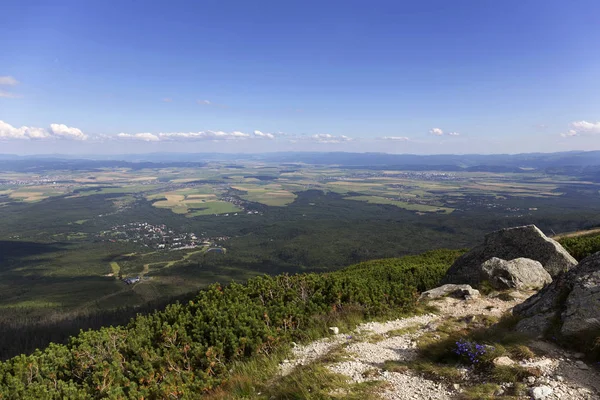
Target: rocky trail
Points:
(483, 347)
(562, 374)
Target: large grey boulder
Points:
(520, 274)
(572, 301)
(508, 244)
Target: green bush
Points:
(188, 349)
(582, 246)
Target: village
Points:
(158, 237)
(412, 175)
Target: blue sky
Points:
(423, 76)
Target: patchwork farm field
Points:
(401, 204)
(270, 195)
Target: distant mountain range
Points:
(575, 161)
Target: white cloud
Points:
(204, 135)
(586, 127)
(144, 137)
(396, 138)
(167, 100)
(8, 131)
(206, 102)
(570, 132)
(8, 81)
(582, 128)
(440, 132)
(37, 133)
(263, 135)
(9, 95)
(56, 131)
(63, 131)
(327, 138)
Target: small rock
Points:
(541, 392)
(559, 378)
(432, 326)
(335, 330)
(503, 361)
(582, 366)
(579, 355)
(465, 292)
(531, 380)
(456, 386)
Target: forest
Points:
(188, 348)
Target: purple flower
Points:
(470, 351)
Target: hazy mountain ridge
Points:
(576, 160)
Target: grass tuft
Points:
(483, 391)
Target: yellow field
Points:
(270, 195)
(200, 196)
(115, 268)
(193, 203)
(28, 196)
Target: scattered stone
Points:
(334, 329)
(530, 380)
(503, 361)
(432, 326)
(520, 273)
(465, 292)
(582, 365)
(508, 244)
(541, 392)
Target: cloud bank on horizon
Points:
(61, 132)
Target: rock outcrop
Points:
(508, 244)
(572, 300)
(520, 274)
(464, 292)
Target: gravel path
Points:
(564, 375)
